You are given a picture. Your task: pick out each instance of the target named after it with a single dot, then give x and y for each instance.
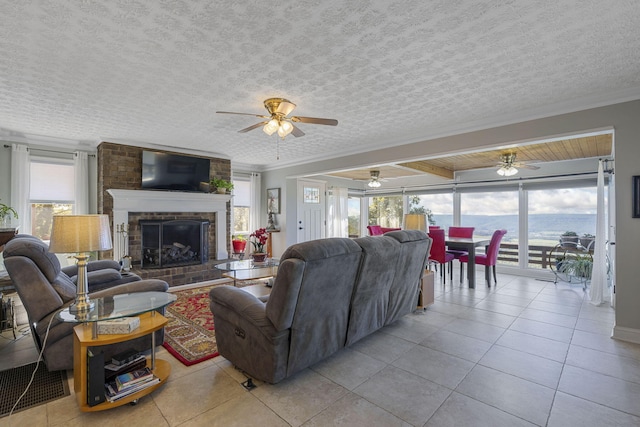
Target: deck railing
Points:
(538, 255)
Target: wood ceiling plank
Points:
(427, 167)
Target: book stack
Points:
(129, 383)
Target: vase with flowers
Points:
(258, 240)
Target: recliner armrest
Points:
(240, 302)
(100, 264)
(127, 288)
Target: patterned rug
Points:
(190, 333)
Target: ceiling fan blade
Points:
(314, 120)
(257, 125)
(262, 116)
(285, 108)
(525, 166)
(296, 131)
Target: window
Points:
(353, 208)
(440, 205)
(52, 193)
(554, 211)
(491, 211)
(385, 211)
(241, 206)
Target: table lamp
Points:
(415, 222)
(80, 234)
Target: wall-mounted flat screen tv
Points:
(173, 172)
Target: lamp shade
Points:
(415, 222)
(80, 233)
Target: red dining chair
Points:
(466, 232)
(489, 259)
(439, 254)
(434, 227)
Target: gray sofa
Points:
(328, 294)
(44, 289)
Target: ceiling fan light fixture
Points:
(507, 171)
(374, 183)
(285, 128)
(271, 127)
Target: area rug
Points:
(190, 333)
(46, 386)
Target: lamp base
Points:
(81, 306)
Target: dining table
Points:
(468, 244)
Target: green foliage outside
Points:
(416, 208)
(385, 211)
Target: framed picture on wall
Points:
(273, 200)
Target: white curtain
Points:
(338, 216)
(81, 180)
(256, 207)
(598, 292)
(20, 185)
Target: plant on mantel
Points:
(221, 185)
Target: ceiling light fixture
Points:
(507, 170)
(373, 182)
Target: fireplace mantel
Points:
(125, 201)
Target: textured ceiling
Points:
(391, 72)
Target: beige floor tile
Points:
(469, 328)
(555, 308)
(462, 411)
(594, 326)
(441, 368)
(498, 307)
(527, 366)
(241, 411)
(384, 347)
(544, 347)
(541, 329)
(353, 411)
(489, 317)
(603, 389)
(194, 393)
(516, 396)
(625, 368)
(406, 396)
(606, 344)
(410, 328)
(301, 397)
(549, 317)
(461, 346)
(572, 411)
(348, 368)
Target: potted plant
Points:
(222, 186)
(260, 237)
(569, 239)
(577, 265)
(586, 240)
(239, 243)
(6, 212)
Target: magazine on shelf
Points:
(113, 395)
(132, 378)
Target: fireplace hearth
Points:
(171, 243)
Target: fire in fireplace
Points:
(174, 243)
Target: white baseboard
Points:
(626, 334)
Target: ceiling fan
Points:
(374, 179)
(509, 167)
(278, 120)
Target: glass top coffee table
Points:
(247, 269)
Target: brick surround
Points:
(120, 167)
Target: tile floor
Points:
(526, 352)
